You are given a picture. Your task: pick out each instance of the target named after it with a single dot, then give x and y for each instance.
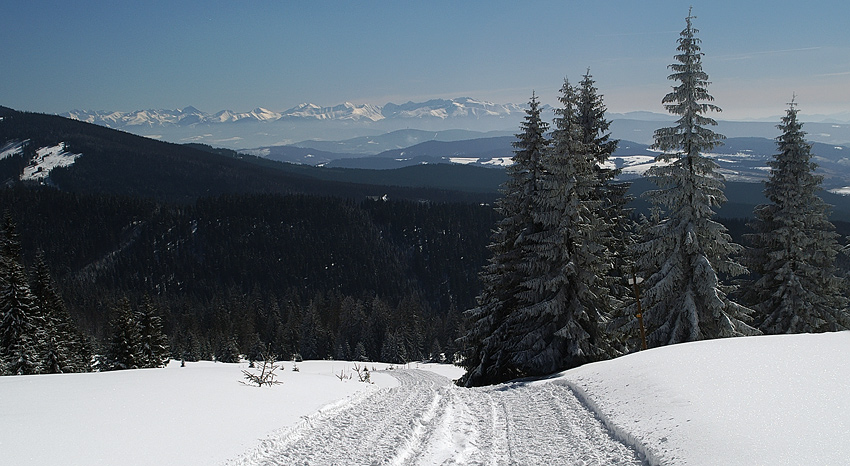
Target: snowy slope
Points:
(196, 415)
(771, 400)
(46, 159)
(768, 400)
(11, 148)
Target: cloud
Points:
(749, 55)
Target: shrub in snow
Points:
(265, 375)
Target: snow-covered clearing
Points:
(11, 148)
(774, 400)
(46, 159)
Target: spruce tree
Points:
(485, 356)
(20, 330)
(66, 343)
(124, 348)
(564, 303)
(618, 232)
(153, 344)
(795, 245)
(21, 326)
(684, 253)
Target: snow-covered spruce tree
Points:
(683, 254)
(564, 300)
(153, 344)
(20, 319)
(484, 346)
(611, 194)
(124, 347)
(20, 329)
(795, 245)
(65, 342)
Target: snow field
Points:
(46, 159)
(767, 400)
(194, 415)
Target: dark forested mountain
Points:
(114, 162)
(240, 269)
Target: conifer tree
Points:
(795, 245)
(19, 326)
(564, 303)
(153, 344)
(65, 342)
(124, 348)
(618, 233)
(684, 253)
(486, 358)
(20, 322)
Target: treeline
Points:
(242, 274)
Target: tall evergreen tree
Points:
(618, 233)
(153, 344)
(564, 303)
(795, 245)
(20, 323)
(124, 348)
(684, 253)
(66, 345)
(485, 356)
(20, 329)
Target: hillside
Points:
(114, 162)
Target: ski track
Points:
(427, 420)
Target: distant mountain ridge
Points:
(441, 109)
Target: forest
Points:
(317, 277)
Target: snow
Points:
(194, 415)
(46, 159)
(777, 400)
(499, 162)
(11, 148)
(844, 191)
(463, 160)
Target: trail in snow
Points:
(427, 420)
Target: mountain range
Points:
(318, 127)
(463, 107)
(79, 157)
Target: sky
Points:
(214, 55)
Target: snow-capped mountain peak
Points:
(442, 109)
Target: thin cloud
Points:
(749, 55)
(826, 75)
(632, 34)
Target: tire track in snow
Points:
(427, 420)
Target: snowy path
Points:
(426, 420)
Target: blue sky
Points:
(117, 55)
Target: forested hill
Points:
(301, 274)
(115, 162)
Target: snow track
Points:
(427, 420)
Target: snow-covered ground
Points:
(46, 159)
(771, 400)
(767, 400)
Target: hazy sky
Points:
(117, 55)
